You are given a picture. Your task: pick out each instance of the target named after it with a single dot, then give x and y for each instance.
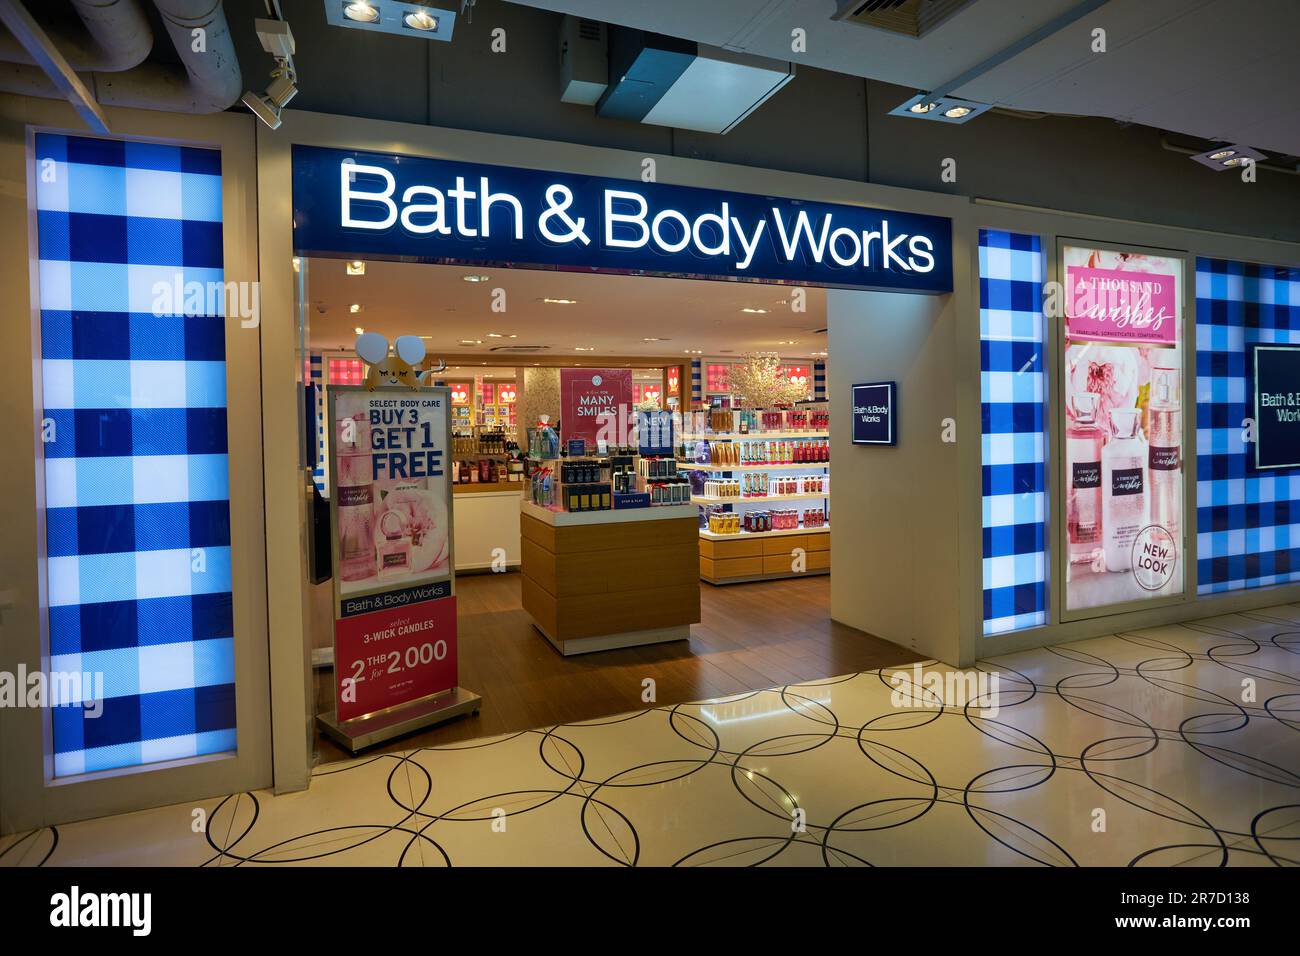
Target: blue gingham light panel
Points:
(136, 478)
(1248, 521)
(1013, 440)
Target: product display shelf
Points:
(764, 555)
(805, 466)
(755, 499)
(774, 533)
(755, 436)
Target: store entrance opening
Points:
(565, 611)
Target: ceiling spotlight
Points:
(694, 352)
(354, 308)
(581, 348)
(941, 108)
(471, 341)
(398, 17)
(561, 301)
(652, 338)
(1228, 156)
(475, 278)
(277, 40)
(361, 11)
(421, 20)
(356, 268)
(755, 311)
(358, 330)
(495, 335)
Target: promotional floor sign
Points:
(593, 401)
(394, 600)
(1123, 461)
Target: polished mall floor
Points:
(1169, 746)
(750, 637)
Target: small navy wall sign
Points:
(1277, 406)
(873, 413)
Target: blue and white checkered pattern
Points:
(697, 381)
(1248, 522)
(136, 477)
(1014, 442)
(819, 381)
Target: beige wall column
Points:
(894, 509)
(287, 483)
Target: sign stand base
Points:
(363, 732)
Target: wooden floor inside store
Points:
(751, 636)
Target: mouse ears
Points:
(409, 349)
(372, 347)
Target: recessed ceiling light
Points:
(474, 277)
(583, 348)
(420, 20)
(694, 352)
(787, 342)
(819, 354)
(358, 330)
(1227, 156)
(755, 311)
(471, 341)
(360, 11)
(939, 108)
(354, 308)
(494, 335)
(356, 268)
(652, 338)
(560, 301)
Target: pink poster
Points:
(1121, 305)
(1123, 449)
(593, 403)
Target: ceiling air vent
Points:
(519, 348)
(913, 18)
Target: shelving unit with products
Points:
(745, 462)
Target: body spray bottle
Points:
(1123, 487)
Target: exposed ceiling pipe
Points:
(210, 82)
(117, 37)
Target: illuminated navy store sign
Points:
(355, 204)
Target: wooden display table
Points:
(603, 579)
(763, 556)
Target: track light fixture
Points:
(277, 40)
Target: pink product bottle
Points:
(1123, 488)
(355, 499)
(1083, 445)
(1164, 419)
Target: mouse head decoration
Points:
(398, 368)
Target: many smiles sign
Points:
(349, 203)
